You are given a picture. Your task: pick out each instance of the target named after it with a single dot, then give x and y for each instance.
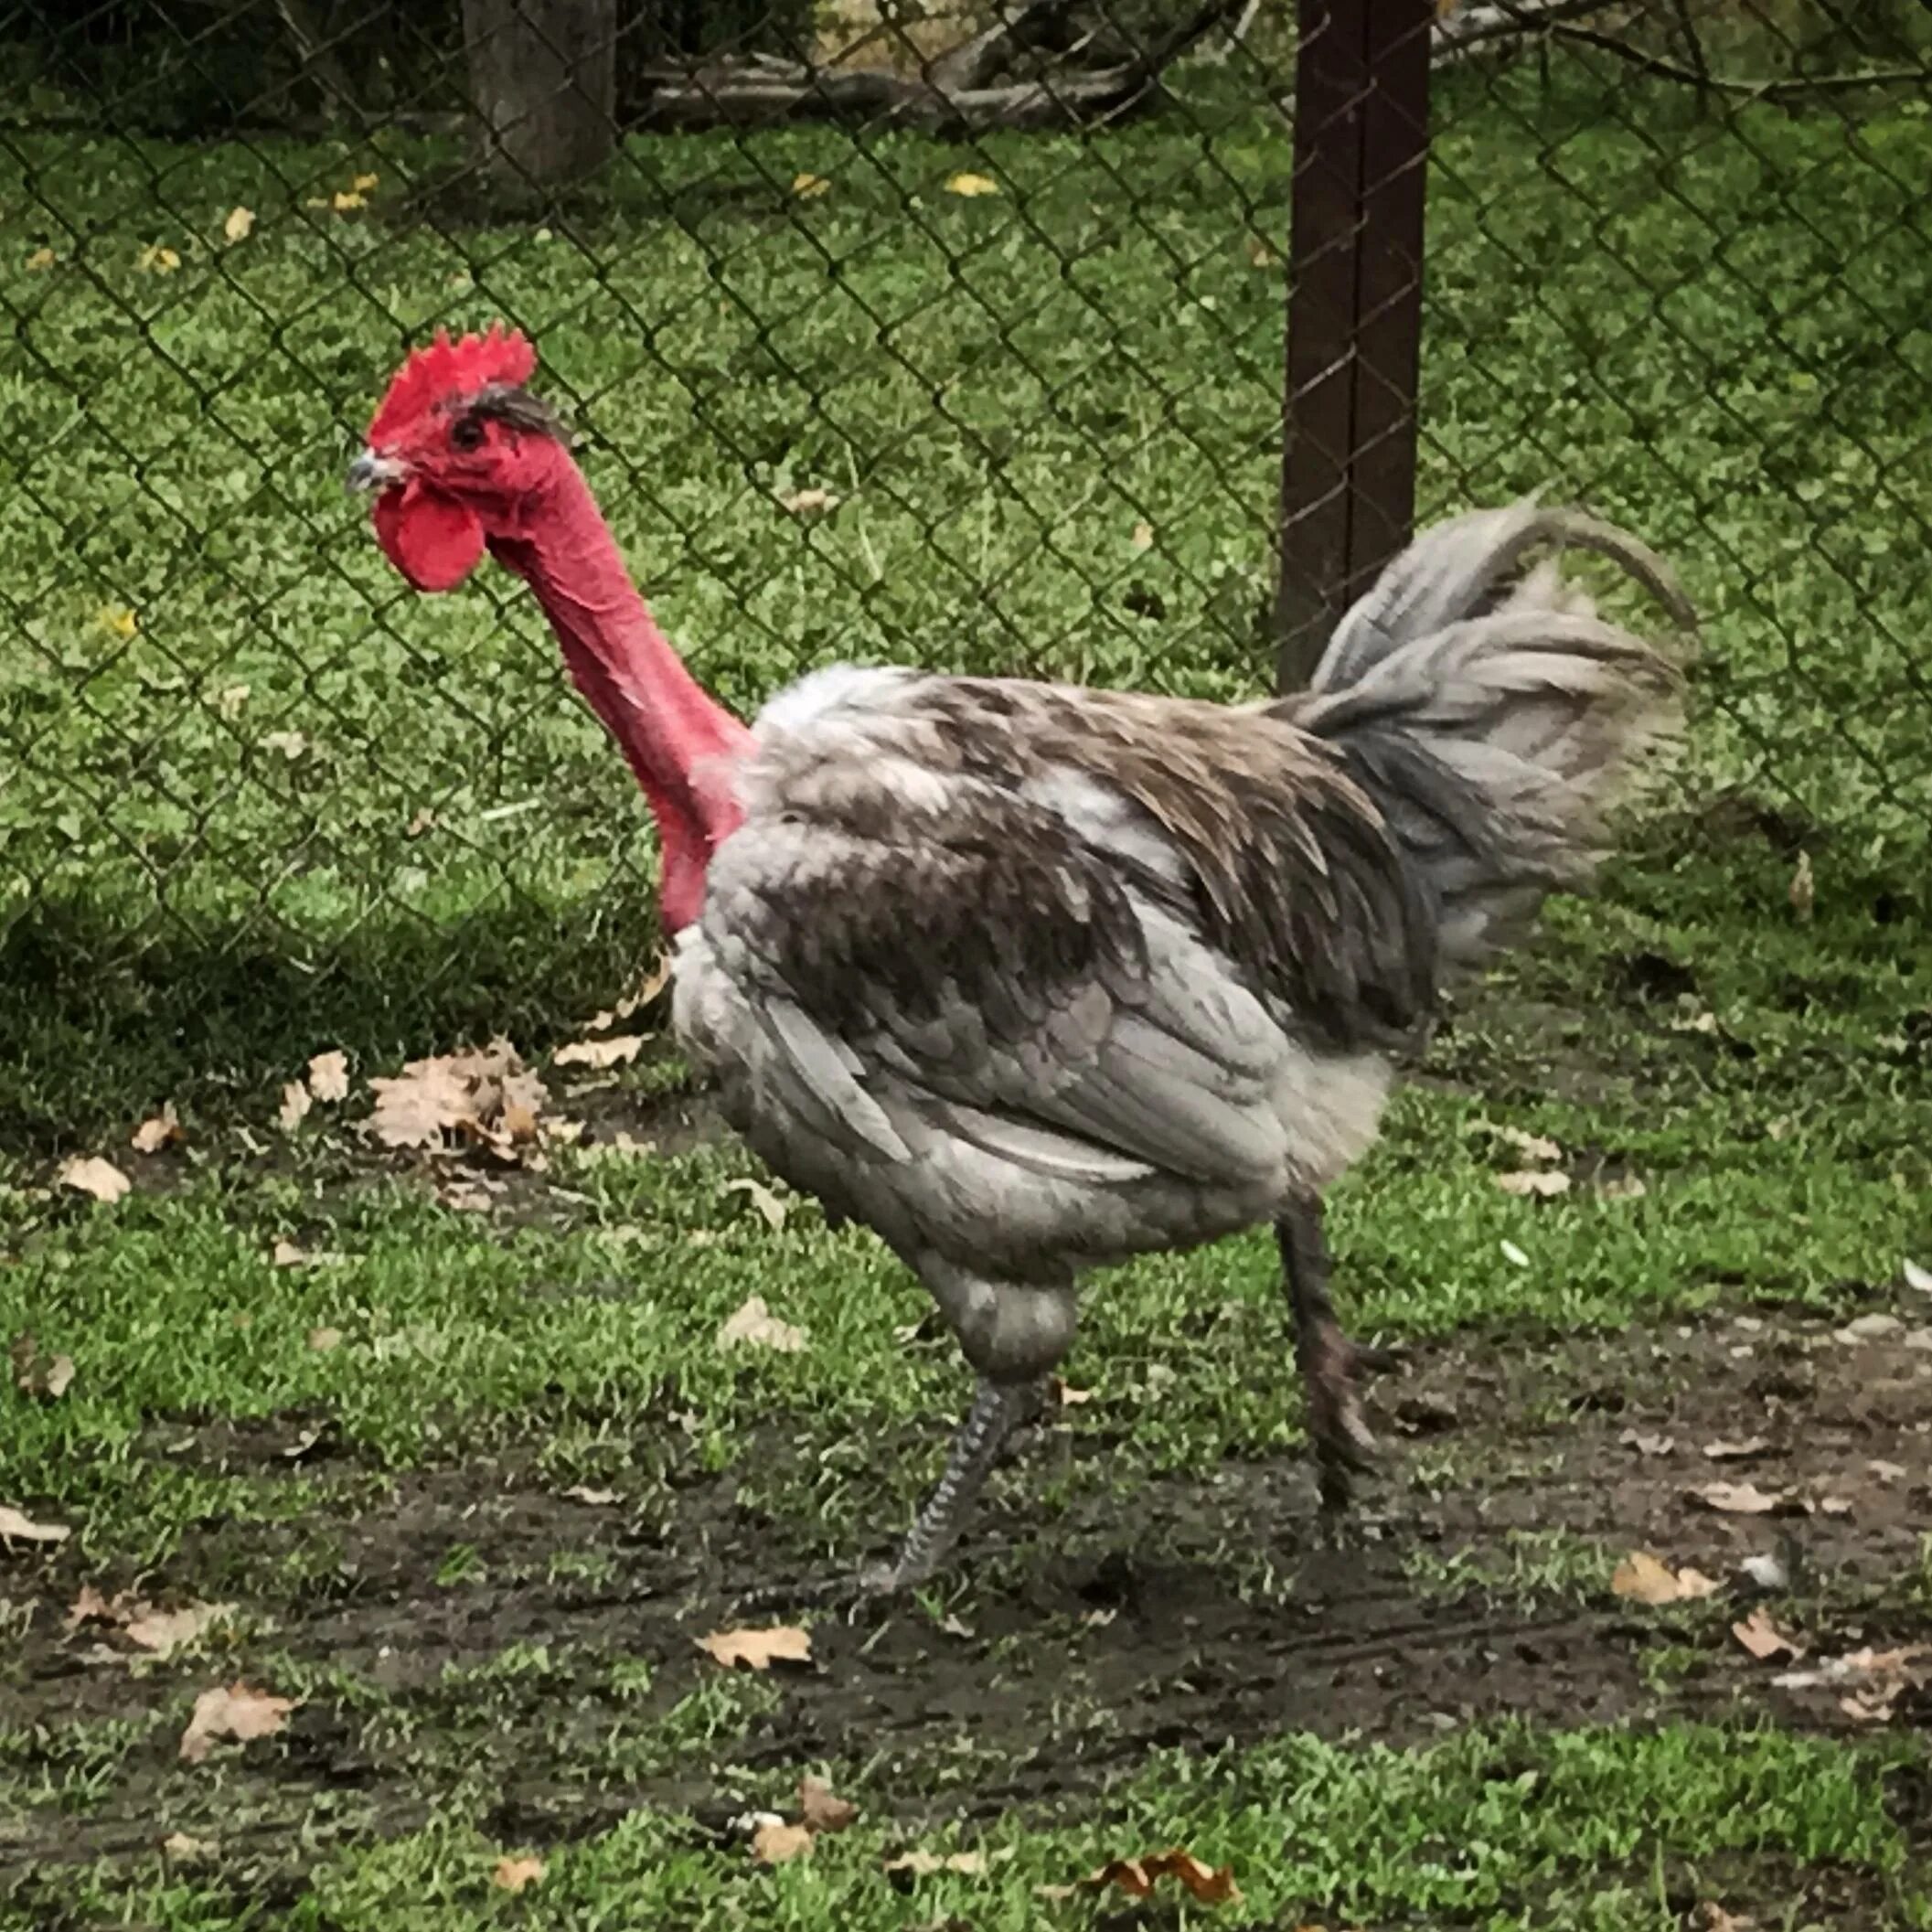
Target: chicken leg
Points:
(1329, 1361)
(999, 1408)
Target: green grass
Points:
(1716, 336)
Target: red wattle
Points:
(433, 539)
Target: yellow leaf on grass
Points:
(119, 620)
(42, 258)
(362, 184)
(240, 224)
(808, 187)
(343, 200)
(972, 184)
(1643, 1579)
(753, 1326)
(517, 1875)
(157, 260)
(759, 1650)
(89, 1174)
(777, 1843)
(160, 1130)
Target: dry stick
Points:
(737, 90)
(1793, 88)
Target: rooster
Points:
(1031, 978)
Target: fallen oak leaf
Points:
(821, 1808)
(518, 1875)
(927, 1864)
(1543, 1183)
(47, 1378)
(1737, 1498)
(599, 1054)
(593, 1499)
(17, 1528)
(89, 1174)
(1736, 1451)
(161, 1130)
(1757, 1634)
(1532, 1146)
(296, 1101)
(181, 1849)
(755, 1326)
(165, 1632)
(328, 1076)
(1643, 1578)
(1647, 1444)
(774, 1843)
(771, 1205)
(758, 1650)
(235, 1711)
(1138, 1876)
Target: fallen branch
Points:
(739, 92)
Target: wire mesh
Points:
(939, 335)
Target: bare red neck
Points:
(679, 740)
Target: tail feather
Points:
(1492, 716)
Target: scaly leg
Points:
(999, 1408)
(1327, 1359)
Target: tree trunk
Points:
(543, 82)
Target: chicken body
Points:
(1031, 978)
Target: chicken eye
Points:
(466, 433)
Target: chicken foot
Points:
(1329, 1360)
(999, 1408)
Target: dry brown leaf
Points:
(771, 1205)
(296, 1101)
(759, 1650)
(47, 1378)
(488, 1098)
(161, 1130)
(595, 1498)
(42, 258)
(755, 1327)
(1737, 1451)
(1138, 1876)
(1260, 254)
(240, 225)
(1143, 537)
(290, 745)
(1647, 1444)
(1762, 1637)
(89, 1174)
(1712, 1917)
(1069, 1398)
(182, 1850)
(17, 1528)
(1532, 1146)
(328, 1076)
(1737, 1498)
(1625, 1187)
(165, 1632)
(237, 1711)
(518, 1875)
(618, 1050)
(1545, 1184)
(924, 1864)
(778, 1843)
(821, 1809)
(1642, 1578)
(323, 1339)
(803, 503)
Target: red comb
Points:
(451, 369)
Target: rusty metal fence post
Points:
(1354, 335)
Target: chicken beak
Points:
(372, 472)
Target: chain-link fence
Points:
(943, 335)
